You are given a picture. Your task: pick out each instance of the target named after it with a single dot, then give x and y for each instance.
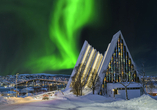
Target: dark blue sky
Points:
(19, 35)
(137, 20)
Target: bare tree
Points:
(125, 81)
(143, 81)
(75, 85)
(150, 85)
(77, 81)
(80, 78)
(95, 81)
(104, 87)
(126, 84)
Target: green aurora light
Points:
(68, 18)
(44, 36)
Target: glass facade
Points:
(120, 65)
(88, 66)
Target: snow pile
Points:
(4, 101)
(92, 102)
(145, 102)
(60, 95)
(22, 100)
(98, 98)
(86, 91)
(14, 100)
(67, 92)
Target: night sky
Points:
(41, 36)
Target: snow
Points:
(16, 100)
(44, 89)
(28, 89)
(142, 103)
(10, 92)
(4, 101)
(87, 102)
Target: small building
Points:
(5, 89)
(117, 90)
(9, 93)
(27, 90)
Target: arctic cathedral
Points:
(112, 68)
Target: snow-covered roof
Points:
(10, 92)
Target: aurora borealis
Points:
(64, 29)
(37, 36)
(53, 44)
(66, 21)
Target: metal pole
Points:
(49, 87)
(33, 83)
(16, 83)
(27, 88)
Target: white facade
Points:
(133, 90)
(92, 59)
(78, 61)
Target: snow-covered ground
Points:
(4, 101)
(88, 102)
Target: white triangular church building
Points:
(116, 61)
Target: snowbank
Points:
(99, 98)
(4, 101)
(145, 102)
(92, 102)
(88, 102)
(14, 100)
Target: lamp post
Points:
(16, 83)
(26, 88)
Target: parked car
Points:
(45, 97)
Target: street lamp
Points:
(16, 83)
